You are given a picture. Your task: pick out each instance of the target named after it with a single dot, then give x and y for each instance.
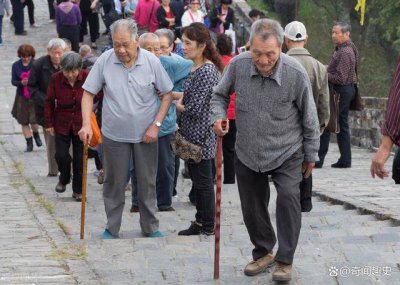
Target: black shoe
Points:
(340, 165)
(169, 209)
(193, 230)
(318, 164)
(24, 33)
(38, 141)
(60, 188)
(29, 144)
(51, 175)
(77, 197)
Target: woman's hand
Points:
(179, 106)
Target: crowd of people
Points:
(146, 95)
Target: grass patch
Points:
(2, 142)
(19, 166)
(65, 228)
(46, 204)
(16, 185)
(73, 252)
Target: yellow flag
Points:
(361, 8)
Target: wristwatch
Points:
(157, 123)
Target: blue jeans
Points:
(165, 175)
(1, 28)
(347, 93)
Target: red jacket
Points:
(62, 108)
(231, 107)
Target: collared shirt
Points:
(130, 97)
(275, 115)
(62, 108)
(319, 81)
(391, 125)
(343, 64)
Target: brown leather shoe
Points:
(134, 209)
(283, 272)
(260, 265)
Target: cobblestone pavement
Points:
(350, 237)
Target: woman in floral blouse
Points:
(195, 123)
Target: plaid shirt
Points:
(343, 64)
(62, 108)
(391, 125)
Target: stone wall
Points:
(365, 124)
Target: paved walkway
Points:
(39, 242)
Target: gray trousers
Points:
(116, 157)
(51, 152)
(254, 194)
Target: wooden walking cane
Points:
(218, 203)
(84, 178)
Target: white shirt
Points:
(190, 17)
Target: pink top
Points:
(142, 14)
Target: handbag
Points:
(185, 149)
(96, 137)
(333, 124)
(355, 103)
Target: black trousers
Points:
(228, 149)
(18, 16)
(52, 11)
(31, 11)
(64, 160)
(254, 195)
(71, 33)
(94, 25)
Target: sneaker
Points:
(260, 265)
(34, 25)
(283, 272)
(194, 229)
(153, 235)
(60, 188)
(134, 209)
(77, 197)
(100, 178)
(169, 209)
(93, 46)
(107, 235)
(52, 21)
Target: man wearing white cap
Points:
(295, 40)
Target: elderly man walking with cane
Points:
(277, 135)
(130, 77)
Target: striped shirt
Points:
(343, 64)
(391, 125)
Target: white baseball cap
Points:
(296, 31)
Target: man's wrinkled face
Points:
(152, 45)
(265, 54)
(125, 47)
(55, 55)
(338, 37)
